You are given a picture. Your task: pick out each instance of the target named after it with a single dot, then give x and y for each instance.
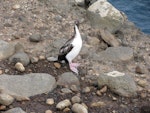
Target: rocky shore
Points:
(114, 74)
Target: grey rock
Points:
(80, 2)
(76, 99)
(68, 79)
(103, 15)
(35, 38)
(6, 99)
(66, 90)
(15, 110)
(6, 50)
(119, 83)
(20, 57)
(27, 85)
(114, 54)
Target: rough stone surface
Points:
(78, 108)
(68, 79)
(27, 85)
(118, 82)
(35, 38)
(114, 54)
(6, 50)
(20, 57)
(15, 110)
(103, 15)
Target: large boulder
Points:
(6, 50)
(27, 85)
(103, 15)
(120, 83)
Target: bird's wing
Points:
(66, 48)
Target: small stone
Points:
(114, 98)
(98, 104)
(50, 101)
(2, 107)
(66, 110)
(86, 90)
(19, 66)
(62, 104)
(41, 57)
(74, 88)
(143, 95)
(34, 59)
(66, 90)
(104, 89)
(1, 71)
(48, 111)
(142, 83)
(76, 99)
(6, 99)
(139, 70)
(35, 38)
(16, 6)
(99, 93)
(78, 108)
(52, 59)
(57, 65)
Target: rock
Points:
(80, 2)
(86, 90)
(109, 38)
(116, 54)
(20, 57)
(98, 93)
(66, 110)
(142, 83)
(62, 104)
(2, 107)
(68, 79)
(57, 65)
(35, 38)
(76, 99)
(19, 48)
(50, 101)
(120, 83)
(48, 111)
(66, 90)
(19, 66)
(78, 108)
(16, 6)
(6, 50)
(1, 71)
(27, 85)
(74, 88)
(52, 59)
(139, 70)
(15, 110)
(103, 15)
(6, 99)
(104, 89)
(98, 104)
(145, 109)
(34, 59)
(41, 57)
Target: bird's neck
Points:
(76, 30)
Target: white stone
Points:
(50, 101)
(62, 104)
(115, 74)
(19, 66)
(6, 99)
(78, 108)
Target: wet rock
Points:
(28, 84)
(78, 108)
(109, 38)
(62, 104)
(15, 110)
(67, 79)
(142, 83)
(50, 101)
(35, 38)
(76, 99)
(6, 50)
(118, 82)
(19, 66)
(20, 57)
(116, 54)
(6, 99)
(98, 104)
(48, 111)
(103, 15)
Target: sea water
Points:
(137, 11)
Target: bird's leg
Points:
(75, 64)
(73, 67)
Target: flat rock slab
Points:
(27, 85)
(120, 83)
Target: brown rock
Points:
(57, 65)
(104, 89)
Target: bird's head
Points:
(77, 23)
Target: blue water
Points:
(138, 11)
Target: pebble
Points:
(76, 99)
(86, 90)
(50, 101)
(78, 108)
(35, 38)
(57, 65)
(142, 83)
(104, 89)
(114, 98)
(6, 99)
(19, 66)
(41, 57)
(1, 71)
(16, 6)
(74, 88)
(52, 59)
(48, 111)
(98, 93)
(34, 59)
(139, 70)
(98, 104)
(62, 104)
(66, 110)
(66, 90)
(2, 107)
(143, 95)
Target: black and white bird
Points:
(71, 49)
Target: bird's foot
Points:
(73, 67)
(75, 64)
